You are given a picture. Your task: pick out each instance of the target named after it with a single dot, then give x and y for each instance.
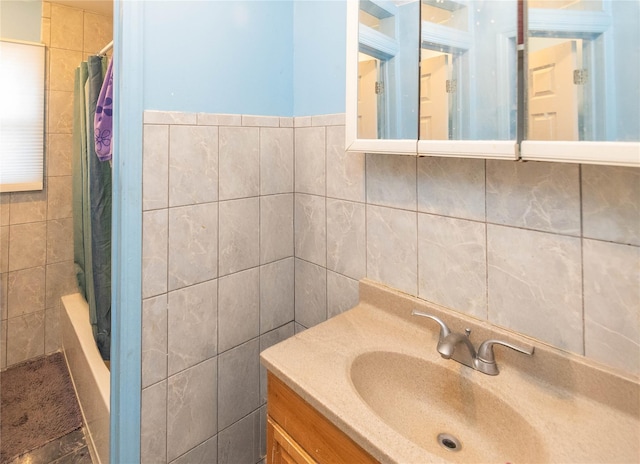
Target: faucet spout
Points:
(448, 348)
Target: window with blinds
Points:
(21, 115)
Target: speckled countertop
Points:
(568, 408)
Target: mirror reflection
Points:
(583, 70)
(388, 69)
(468, 67)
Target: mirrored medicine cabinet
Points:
(456, 78)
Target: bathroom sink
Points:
(443, 411)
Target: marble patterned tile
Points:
(276, 160)
(267, 340)
(391, 181)
(60, 104)
(392, 247)
(239, 162)
(4, 249)
(260, 121)
(60, 281)
(310, 228)
(276, 227)
(155, 243)
(28, 207)
(169, 117)
(193, 165)
(342, 293)
(153, 427)
(533, 195)
(52, 334)
(192, 325)
(155, 167)
(27, 245)
(208, 119)
(345, 171)
(452, 187)
(610, 206)
(59, 240)
(63, 64)
(239, 235)
(310, 159)
(535, 285)
(310, 293)
(193, 232)
(346, 238)
(154, 339)
(238, 308)
(337, 119)
(45, 33)
(451, 251)
(5, 206)
(66, 27)
(204, 453)
(286, 121)
(611, 304)
(276, 294)
(302, 121)
(3, 343)
(59, 197)
(192, 407)
(25, 337)
(240, 443)
(238, 383)
(26, 291)
(4, 290)
(98, 31)
(59, 154)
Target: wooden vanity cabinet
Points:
(298, 434)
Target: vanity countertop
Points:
(580, 410)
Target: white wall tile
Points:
(169, 117)
(345, 171)
(535, 285)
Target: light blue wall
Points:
(20, 19)
(319, 56)
(219, 56)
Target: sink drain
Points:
(449, 442)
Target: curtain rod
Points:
(107, 47)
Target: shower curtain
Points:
(92, 204)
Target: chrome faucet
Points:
(483, 360)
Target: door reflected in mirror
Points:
(468, 67)
(388, 69)
(579, 85)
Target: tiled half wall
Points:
(255, 227)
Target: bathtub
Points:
(91, 378)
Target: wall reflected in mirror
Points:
(583, 70)
(468, 67)
(388, 38)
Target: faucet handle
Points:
(485, 359)
(444, 330)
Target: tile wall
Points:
(549, 250)
(218, 280)
(36, 228)
(257, 227)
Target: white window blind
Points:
(21, 116)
